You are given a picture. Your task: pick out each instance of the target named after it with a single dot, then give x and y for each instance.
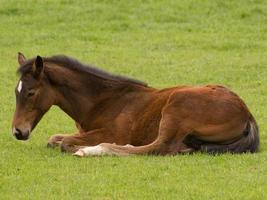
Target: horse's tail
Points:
(249, 142)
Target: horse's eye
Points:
(31, 93)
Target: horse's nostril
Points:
(18, 133)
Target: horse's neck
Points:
(77, 94)
(73, 103)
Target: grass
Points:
(164, 43)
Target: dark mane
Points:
(75, 65)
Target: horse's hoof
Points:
(79, 153)
(50, 145)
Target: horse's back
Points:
(216, 101)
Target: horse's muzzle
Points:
(21, 135)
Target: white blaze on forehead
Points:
(19, 86)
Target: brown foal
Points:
(116, 115)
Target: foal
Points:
(116, 115)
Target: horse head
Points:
(33, 96)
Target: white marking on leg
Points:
(19, 86)
(128, 145)
(101, 149)
(93, 151)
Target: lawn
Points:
(164, 43)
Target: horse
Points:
(121, 116)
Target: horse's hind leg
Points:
(178, 147)
(158, 147)
(170, 130)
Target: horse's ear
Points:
(38, 66)
(21, 59)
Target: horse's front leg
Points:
(56, 140)
(91, 138)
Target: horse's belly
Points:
(145, 133)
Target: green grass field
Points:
(164, 43)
